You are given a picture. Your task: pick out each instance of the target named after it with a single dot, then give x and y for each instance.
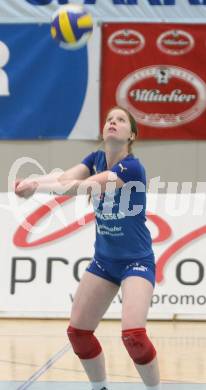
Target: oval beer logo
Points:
(126, 42)
(175, 42)
(162, 95)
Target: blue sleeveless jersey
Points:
(121, 232)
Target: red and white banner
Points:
(157, 71)
(44, 255)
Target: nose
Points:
(112, 122)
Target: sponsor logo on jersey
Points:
(121, 167)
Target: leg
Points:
(136, 298)
(92, 299)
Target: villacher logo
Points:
(126, 42)
(163, 95)
(175, 42)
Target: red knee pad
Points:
(84, 343)
(138, 345)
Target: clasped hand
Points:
(25, 188)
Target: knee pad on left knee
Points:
(138, 345)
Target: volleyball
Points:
(71, 26)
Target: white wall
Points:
(171, 160)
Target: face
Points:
(117, 126)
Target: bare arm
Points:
(51, 182)
(99, 183)
(79, 172)
(65, 184)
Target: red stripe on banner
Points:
(21, 236)
(159, 76)
(174, 248)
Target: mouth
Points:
(112, 129)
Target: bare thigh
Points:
(91, 301)
(136, 299)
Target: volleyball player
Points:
(123, 255)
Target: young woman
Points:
(123, 256)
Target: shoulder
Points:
(130, 169)
(97, 155)
(99, 161)
(134, 163)
(95, 161)
(131, 160)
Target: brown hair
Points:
(134, 128)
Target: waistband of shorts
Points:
(147, 258)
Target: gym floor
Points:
(36, 354)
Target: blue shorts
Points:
(116, 271)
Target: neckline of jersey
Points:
(130, 155)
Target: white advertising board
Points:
(40, 269)
(110, 10)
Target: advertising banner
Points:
(48, 242)
(46, 91)
(109, 10)
(50, 93)
(157, 77)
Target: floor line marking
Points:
(45, 367)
